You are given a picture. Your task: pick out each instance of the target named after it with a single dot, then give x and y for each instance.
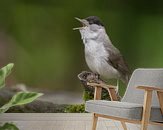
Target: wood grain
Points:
(146, 109)
(160, 98)
(150, 88)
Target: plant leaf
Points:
(24, 97)
(4, 72)
(5, 107)
(20, 98)
(8, 126)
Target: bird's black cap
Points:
(94, 20)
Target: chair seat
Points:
(125, 110)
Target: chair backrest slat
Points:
(146, 77)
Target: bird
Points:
(101, 56)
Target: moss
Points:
(87, 95)
(78, 108)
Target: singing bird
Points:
(102, 57)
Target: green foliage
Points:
(24, 98)
(20, 98)
(8, 126)
(78, 108)
(105, 95)
(4, 72)
(87, 95)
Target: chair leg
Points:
(144, 126)
(124, 125)
(146, 110)
(94, 123)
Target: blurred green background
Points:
(37, 36)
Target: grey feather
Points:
(116, 60)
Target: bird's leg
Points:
(117, 90)
(117, 87)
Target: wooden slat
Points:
(110, 88)
(124, 125)
(160, 98)
(156, 123)
(127, 120)
(102, 85)
(150, 88)
(94, 122)
(119, 119)
(146, 109)
(97, 96)
(112, 94)
(97, 93)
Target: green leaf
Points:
(5, 107)
(24, 97)
(8, 126)
(4, 72)
(20, 98)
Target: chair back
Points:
(143, 77)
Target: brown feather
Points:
(116, 60)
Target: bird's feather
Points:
(116, 60)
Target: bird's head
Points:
(91, 27)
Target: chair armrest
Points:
(105, 86)
(109, 88)
(148, 100)
(147, 88)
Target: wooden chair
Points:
(138, 105)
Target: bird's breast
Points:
(96, 58)
(95, 49)
(94, 52)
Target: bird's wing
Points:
(116, 60)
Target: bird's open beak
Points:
(81, 21)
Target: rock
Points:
(37, 106)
